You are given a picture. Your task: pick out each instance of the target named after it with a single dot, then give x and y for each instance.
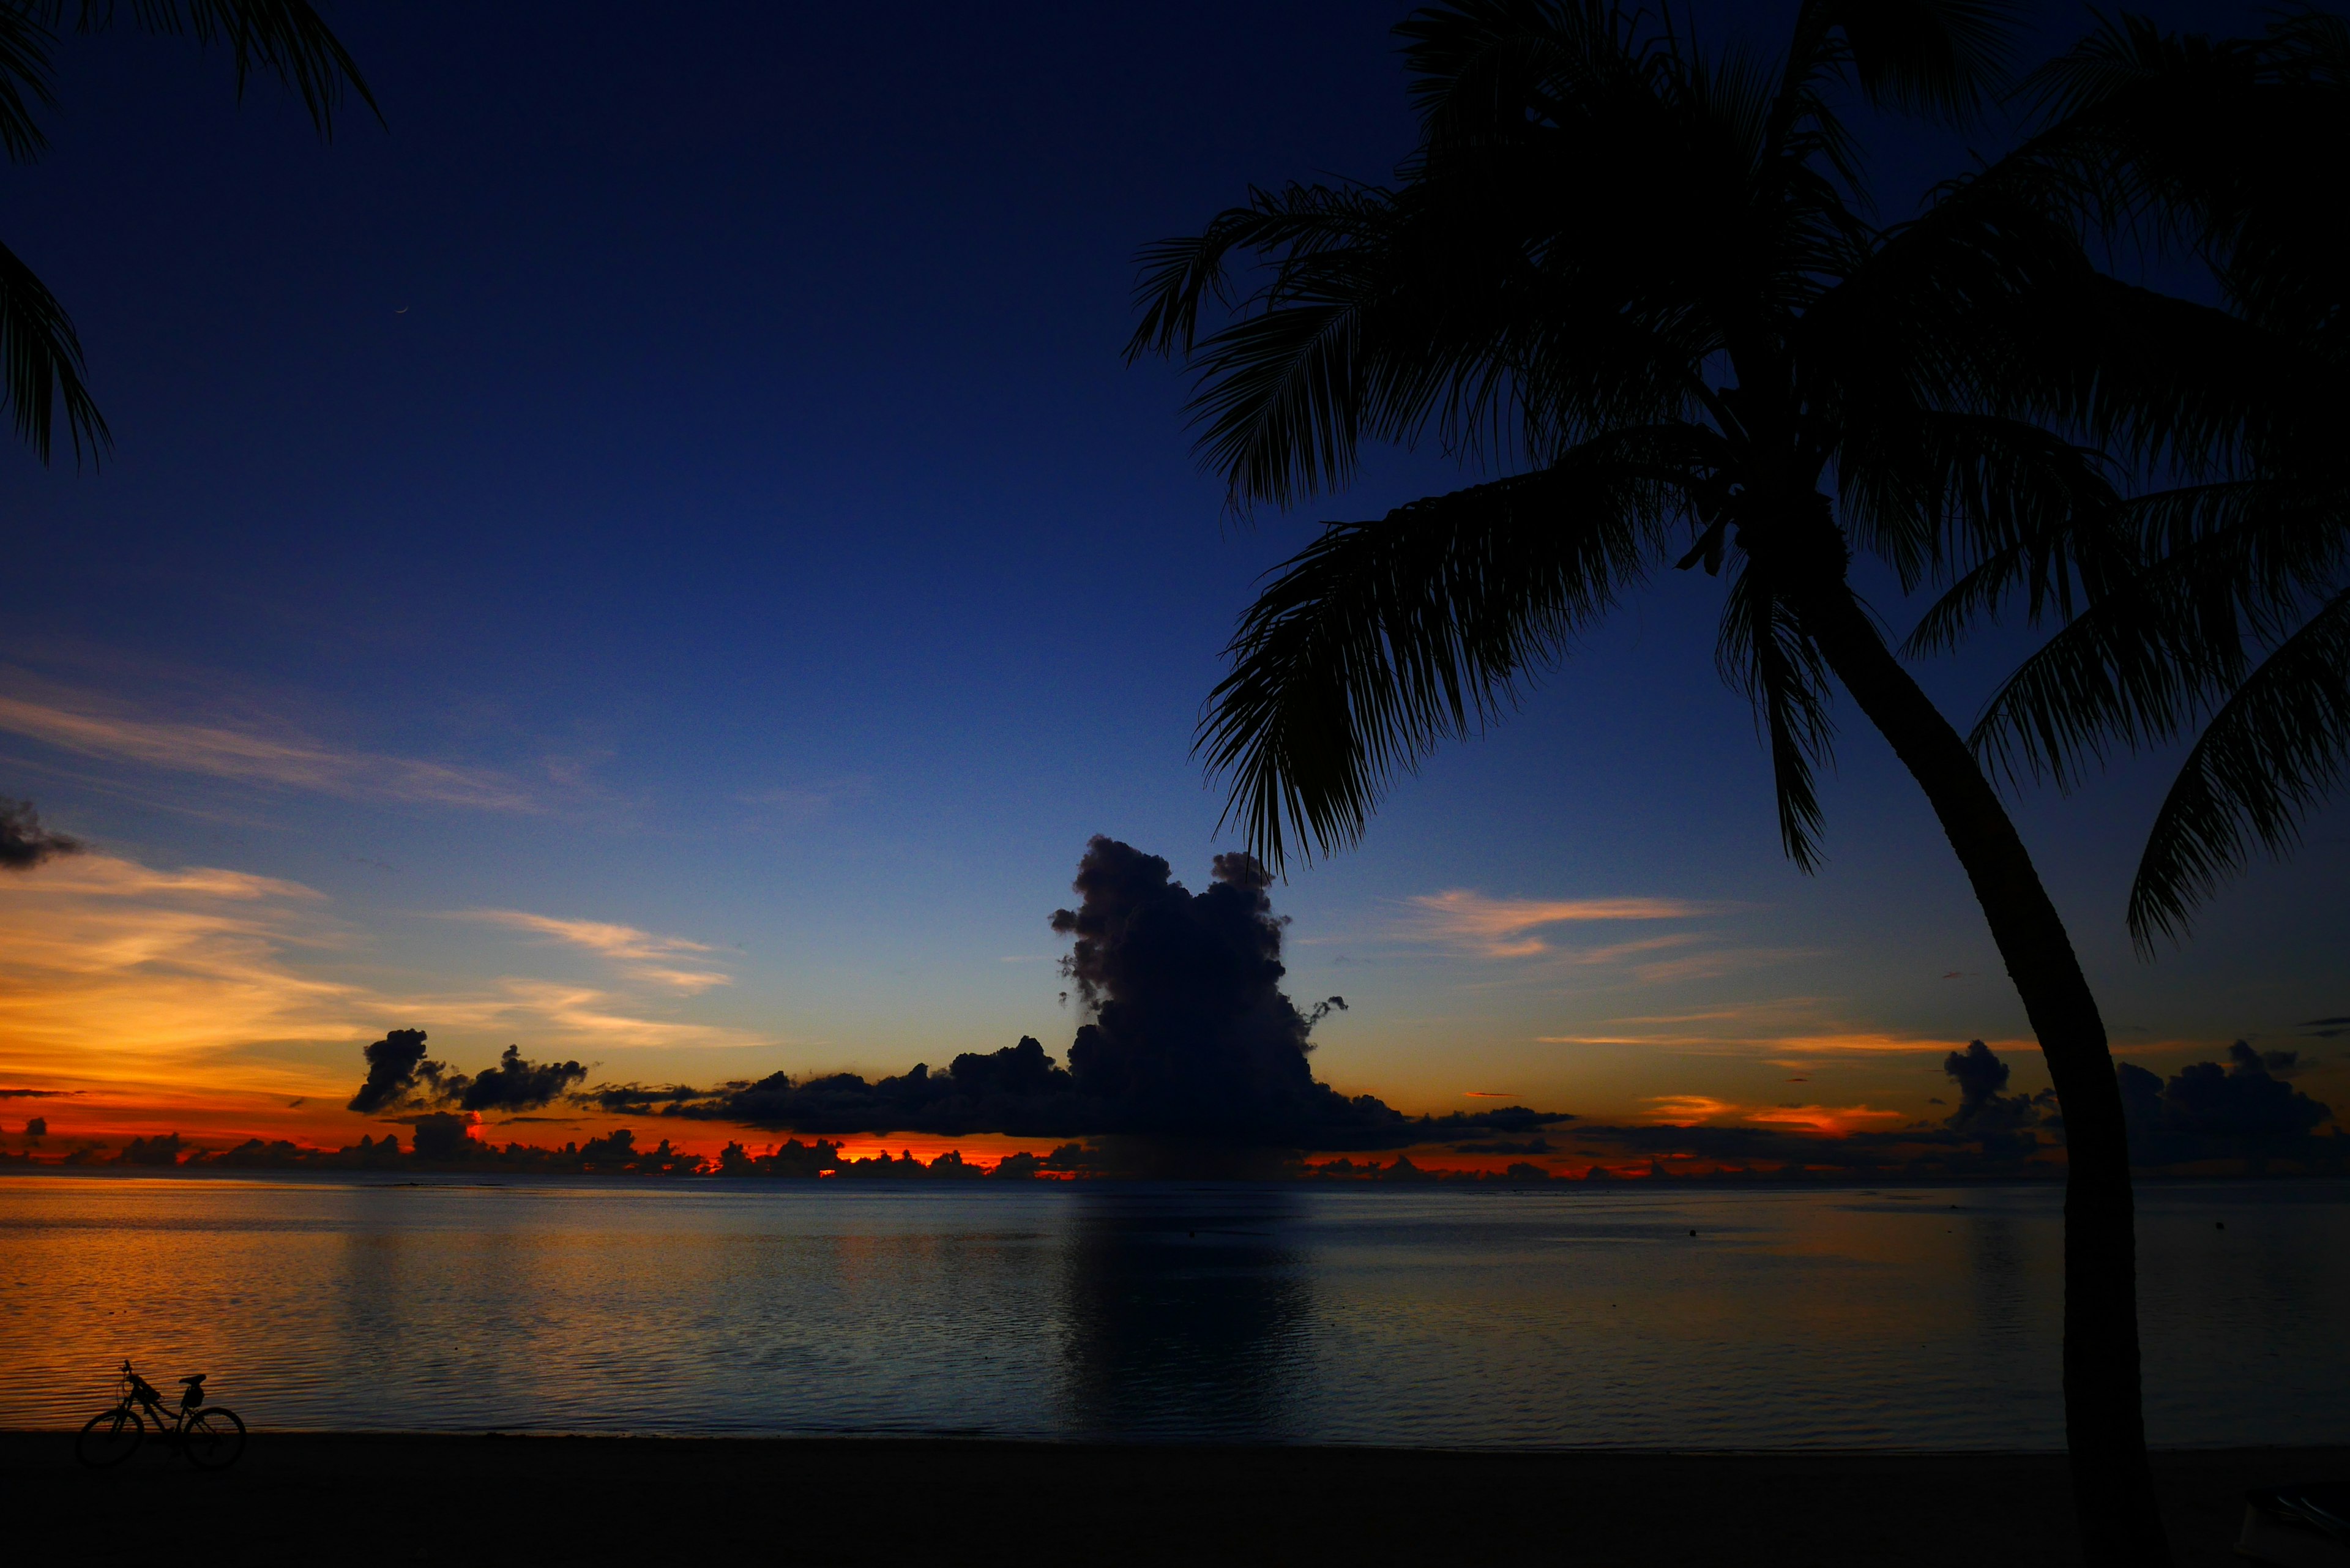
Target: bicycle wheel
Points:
(110, 1437)
(215, 1438)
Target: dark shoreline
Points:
(383, 1499)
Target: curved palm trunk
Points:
(2113, 1487)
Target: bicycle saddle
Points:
(199, 1378)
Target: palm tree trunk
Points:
(2113, 1487)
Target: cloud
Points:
(515, 1085)
(641, 955)
(112, 972)
(2207, 1112)
(608, 1019)
(401, 1076)
(806, 804)
(1787, 1050)
(1827, 1121)
(1820, 1121)
(1190, 1036)
(394, 1065)
(25, 843)
(1508, 928)
(1977, 1071)
(283, 760)
(2328, 1028)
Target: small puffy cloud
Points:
(400, 1076)
(396, 1070)
(515, 1085)
(25, 843)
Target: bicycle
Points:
(210, 1437)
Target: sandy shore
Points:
(405, 1499)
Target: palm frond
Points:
(2272, 754)
(2229, 565)
(287, 38)
(1380, 639)
(24, 83)
(41, 365)
(1938, 58)
(1764, 651)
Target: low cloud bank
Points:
(2242, 1112)
(2245, 1111)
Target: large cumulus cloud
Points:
(1190, 1036)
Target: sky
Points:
(653, 555)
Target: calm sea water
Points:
(1918, 1319)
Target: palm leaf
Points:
(24, 83)
(1380, 639)
(1763, 650)
(2273, 751)
(2230, 563)
(287, 39)
(40, 359)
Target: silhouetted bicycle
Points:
(212, 1439)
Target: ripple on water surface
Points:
(1909, 1318)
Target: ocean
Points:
(1639, 1317)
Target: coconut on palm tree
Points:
(41, 369)
(1646, 281)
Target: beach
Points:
(389, 1498)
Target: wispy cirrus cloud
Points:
(280, 758)
(1513, 927)
(677, 962)
(209, 981)
(1822, 1121)
(1796, 1046)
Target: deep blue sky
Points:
(711, 443)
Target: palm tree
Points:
(2237, 628)
(41, 366)
(1646, 282)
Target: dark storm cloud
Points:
(515, 1085)
(2001, 1123)
(1977, 1071)
(2243, 1110)
(1191, 1037)
(400, 1076)
(397, 1073)
(164, 1149)
(2279, 1063)
(25, 843)
(439, 1136)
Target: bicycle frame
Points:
(139, 1394)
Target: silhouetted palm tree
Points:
(40, 355)
(1647, 279)
(2235, 152)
